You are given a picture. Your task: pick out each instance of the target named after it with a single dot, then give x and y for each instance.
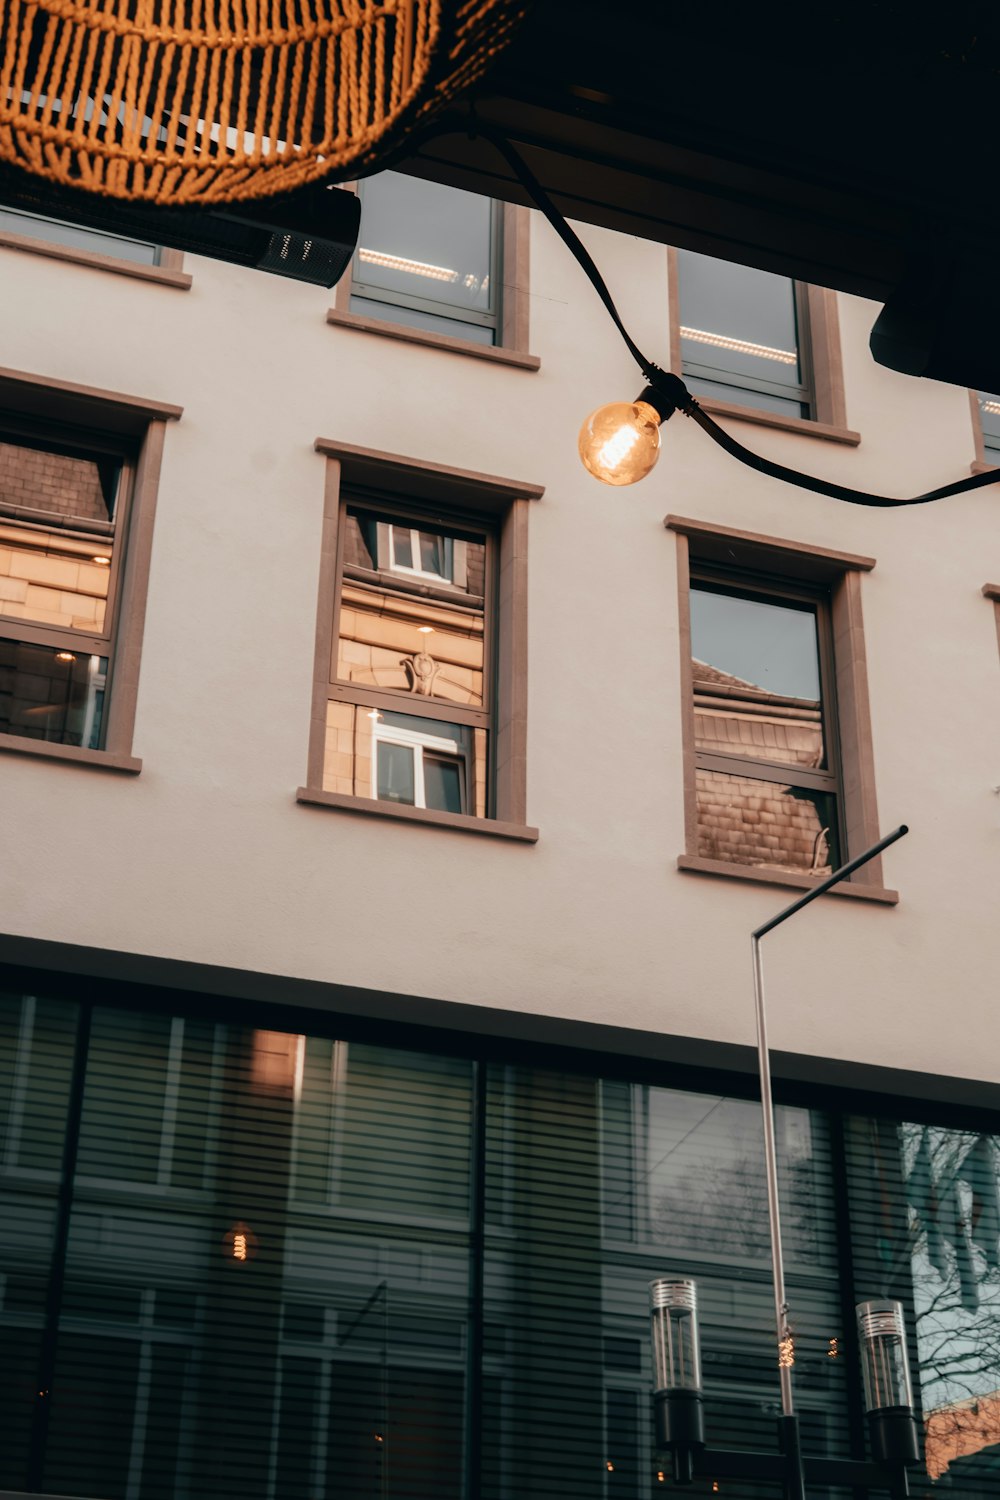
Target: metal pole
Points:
(782, 1326)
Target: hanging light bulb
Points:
(619, 443)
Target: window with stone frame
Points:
(77, 237)
(758, 346)
(78, 472)
(987, 407)
(767, 778)
(429, 257)
(744, 335)
(420, 687)
(779, 778)
(410, 719)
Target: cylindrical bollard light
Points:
(677, 1399)
(885, 1368)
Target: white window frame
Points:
(419, 743)
(414, 533)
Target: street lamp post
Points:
(887, 1390)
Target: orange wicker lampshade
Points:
(212, 101)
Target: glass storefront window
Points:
(296, 1265)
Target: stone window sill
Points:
(801, 425)
(101, 760)
(695, 865)
(162, 275)
(433, 340)
(459, 821)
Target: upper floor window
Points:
(63, 500)
(989, 422)
(420, 692)
(77, 493)
(780, 781)
(428, 257)
(76, 237)
(743, 335)
(766, 778)
(415, 599)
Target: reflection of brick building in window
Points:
(742, 819)
(960, 1429)
(49, 576)
(55, 482)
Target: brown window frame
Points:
(168, 271)
(496, 507)
(759, 562)
(132, 429)
(820, 344)
(512, 347)
(771, 588)
(992, 591)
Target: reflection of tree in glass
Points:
(953, 1225)
(721, 1208)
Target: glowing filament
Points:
(239, 1247)
(786, 1352)
(618, 447)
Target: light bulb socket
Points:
(666, 394)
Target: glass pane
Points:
(341, 1173)
(401, 549)
(413, 317)
(47, 574)
(427, 241)
(122, 1131)
(443, 784)
(358, 738)
(989, 415)
(597, 1201)
(37, 1039)
(51, 694)
(699, 1185)
(925, 1214)
(755, 669)
(418, 626)
(396, 781)
(768, 824)
(73, 235)
(737, 321)
(715, 390)
(435, 555)
(55, 480)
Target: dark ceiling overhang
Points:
(849, 145)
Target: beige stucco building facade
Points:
(421, 847)
(206, 857)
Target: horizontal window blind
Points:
(244, 1262)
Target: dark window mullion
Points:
(423, 304)
(719, 376)
(60, 1248)
(767, 770)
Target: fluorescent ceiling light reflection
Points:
(740, 346)
(400, 263)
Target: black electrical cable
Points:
(674, 394)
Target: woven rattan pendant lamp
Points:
(198, 102)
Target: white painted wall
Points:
(206, 857)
